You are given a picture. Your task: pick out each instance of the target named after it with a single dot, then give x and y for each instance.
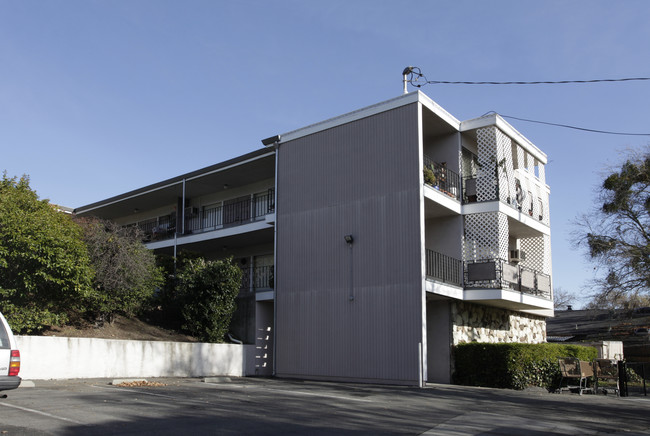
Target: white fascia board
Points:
(403, 100)
(443, 289)
(507, 298)
(505, 127)
(442, 199)
(481, 207)
(237, 164)
(264, 296)
(206, 236)
(439, 111)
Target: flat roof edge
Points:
(262, 152)
(393, 103)
(439, 110)
(495, 119)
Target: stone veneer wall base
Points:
(478, 323)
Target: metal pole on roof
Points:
(405, 73)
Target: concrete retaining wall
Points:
(45, 357)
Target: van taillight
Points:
(14, 363)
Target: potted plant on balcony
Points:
(430, 177)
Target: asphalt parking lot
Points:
(272, 406)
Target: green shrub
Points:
(126, 274)
(45, 270)
(514, 365)
(207, 289)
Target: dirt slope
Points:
(121, 328)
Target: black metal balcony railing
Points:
(444, 268)
(232, 212)
(442, 178)
(499, 274)
(258, 278)
(158, 228)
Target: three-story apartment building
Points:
(371, 243)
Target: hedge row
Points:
(514, 366)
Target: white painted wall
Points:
(45, 357)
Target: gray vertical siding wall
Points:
(362, 179)
(439, 341)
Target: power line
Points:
(607, 132)
(415, 74)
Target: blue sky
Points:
(101, 97)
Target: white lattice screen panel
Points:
(468, 166)
(547, 255)
(486, 236)
(505, 167)
(485, 186)
(534, 249)
(535, 197)
(538, 253)
(504, 232)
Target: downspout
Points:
(275, 141)
(275, 263)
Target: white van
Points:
(9, 358)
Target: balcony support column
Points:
(183, 210)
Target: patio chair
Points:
(571, 368)
(606, 369)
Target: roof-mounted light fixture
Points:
(271, 141)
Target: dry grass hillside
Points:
(121, 328)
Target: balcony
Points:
(443, 268)
(441, 178)
(229, 213)
(492, 282)
(525, 200)
(499, 274)
(257, 279)
(156, 229)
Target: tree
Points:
(562, 298)
(126, 274)
(617, 236)
(208, 289)
(45, 270)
